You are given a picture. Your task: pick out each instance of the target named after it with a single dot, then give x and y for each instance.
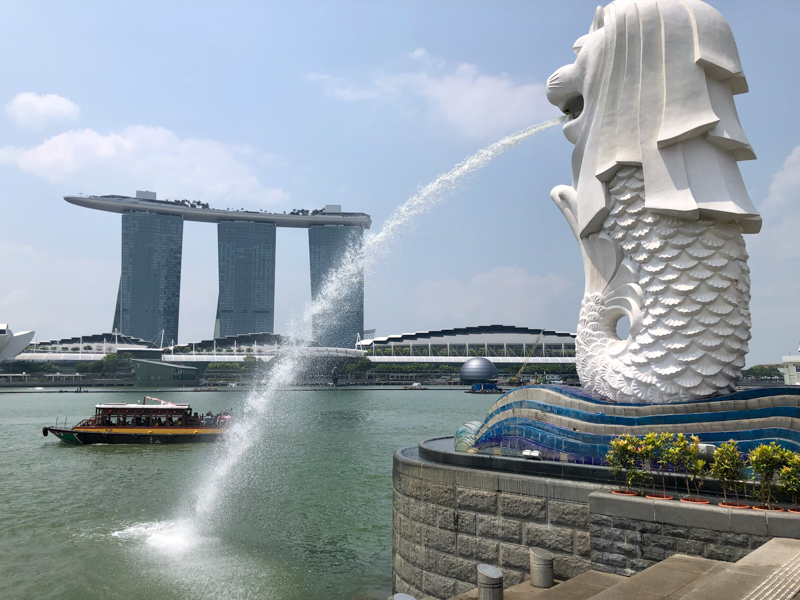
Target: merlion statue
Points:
(657, 203)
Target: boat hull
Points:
(128, 436)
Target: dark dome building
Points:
(478, 370)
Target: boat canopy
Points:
(110, 408)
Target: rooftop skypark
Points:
(198, 211)
(148, 301)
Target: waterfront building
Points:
(503, 345)
(11, 344)
(791, 370)
(330, 246)
(246, 302)
(155, 372)
(149, 295)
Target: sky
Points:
(282, 105)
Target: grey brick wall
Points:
(630, 534)
(447, 520)
(627, 546)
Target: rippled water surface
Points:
(307, 515)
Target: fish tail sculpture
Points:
(684, 285)
(658, 205)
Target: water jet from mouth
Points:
(293, 359)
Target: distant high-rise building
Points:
(246, 302)
(341, 325)
(148, 299)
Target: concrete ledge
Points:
(685, 514)
(407, 461)
(441, 451)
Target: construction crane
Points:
(518, 379)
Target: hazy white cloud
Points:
(153, 158)
(35, 111)
(781, 211)
(476, 104)
(504, 295)
(774, 267)
(341, 89)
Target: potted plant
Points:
(655, 449)
(730, 470)
(767, 460)
(789, 479)
(676, 452)
(687, 460)
(684, 454)
(623, 459)
(698, 469)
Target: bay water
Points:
(309, 518)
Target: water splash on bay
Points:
(166, 537)
(289, 366)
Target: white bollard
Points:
(490, 583)
(541, 568)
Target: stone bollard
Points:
(490, 583)
(541, 568)
(402, 597)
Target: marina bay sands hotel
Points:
(148, 300)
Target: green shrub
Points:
(624, 458)
(772, 465)
(684, 454)
(729, 469)
(789, 477)
(655, 450)
(767, 460)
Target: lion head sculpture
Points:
(653, 86)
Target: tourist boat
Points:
(157, 423)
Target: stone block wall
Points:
(627, 546)
(447, 520)
(630, 534)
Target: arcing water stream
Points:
(355, 262)
(230, 470)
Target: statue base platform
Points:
(565, 424)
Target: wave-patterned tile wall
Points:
(564, 423)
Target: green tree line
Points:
(110, 363)
(762, 372)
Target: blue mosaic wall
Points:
(511, 435)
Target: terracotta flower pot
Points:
(765, 507)
(658, 497)
(733, 505)
(624, 492)
(695, 500)
(795, 511)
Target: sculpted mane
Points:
(653, 87)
